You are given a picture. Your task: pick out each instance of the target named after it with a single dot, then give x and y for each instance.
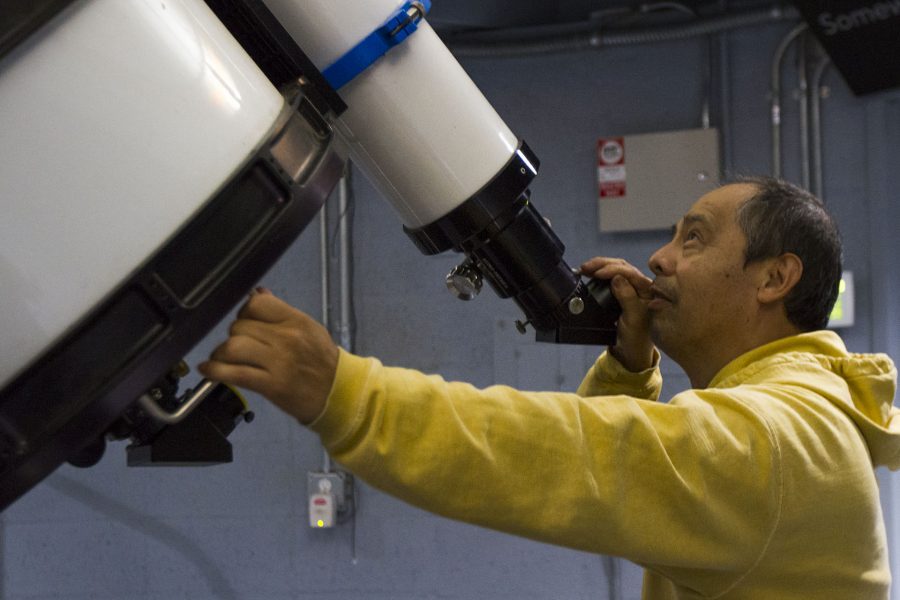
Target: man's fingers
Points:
(631, 288)
(266, 307)
(243, 376)
(623, 290)
(608, 268)
(628, 296)
(641, 284)
(598, 262)
(258, 330)
(242, 350)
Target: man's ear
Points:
(780, 276)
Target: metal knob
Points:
(464, 281)
(576, 305)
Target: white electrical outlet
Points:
(330, 498)
(322, 508)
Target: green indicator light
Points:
(838, 311)
(842, 313)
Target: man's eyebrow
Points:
(690, 219)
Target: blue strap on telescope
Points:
(394, 31)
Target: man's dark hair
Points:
(781, 217)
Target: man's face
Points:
(702, 292)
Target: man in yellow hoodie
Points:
(758, 483)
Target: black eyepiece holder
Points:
(505, 238)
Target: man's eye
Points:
(691, 235)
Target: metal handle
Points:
(154, 410)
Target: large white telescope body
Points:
(120, 120)
(150, 172)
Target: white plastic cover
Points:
(416, 124)
(119, 121)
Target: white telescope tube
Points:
(416, 124)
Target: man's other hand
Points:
(279, 352)
(631, 288)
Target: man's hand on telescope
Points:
(631, 288)
(280, 352)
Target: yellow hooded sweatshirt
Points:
(759, 487)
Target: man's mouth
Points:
(659, 298)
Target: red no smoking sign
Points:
(611, 167)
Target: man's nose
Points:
(661, 261)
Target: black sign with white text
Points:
(862, 38)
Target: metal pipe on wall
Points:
(585, 36)
(345, 274)
(707, 91)
(775, 95)
(725, 103)
(345, 325)
(803, 101)
(325, 283)
(725, 96)
(809, 108)
(342, 328)
(324, 269)
(816, 118)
